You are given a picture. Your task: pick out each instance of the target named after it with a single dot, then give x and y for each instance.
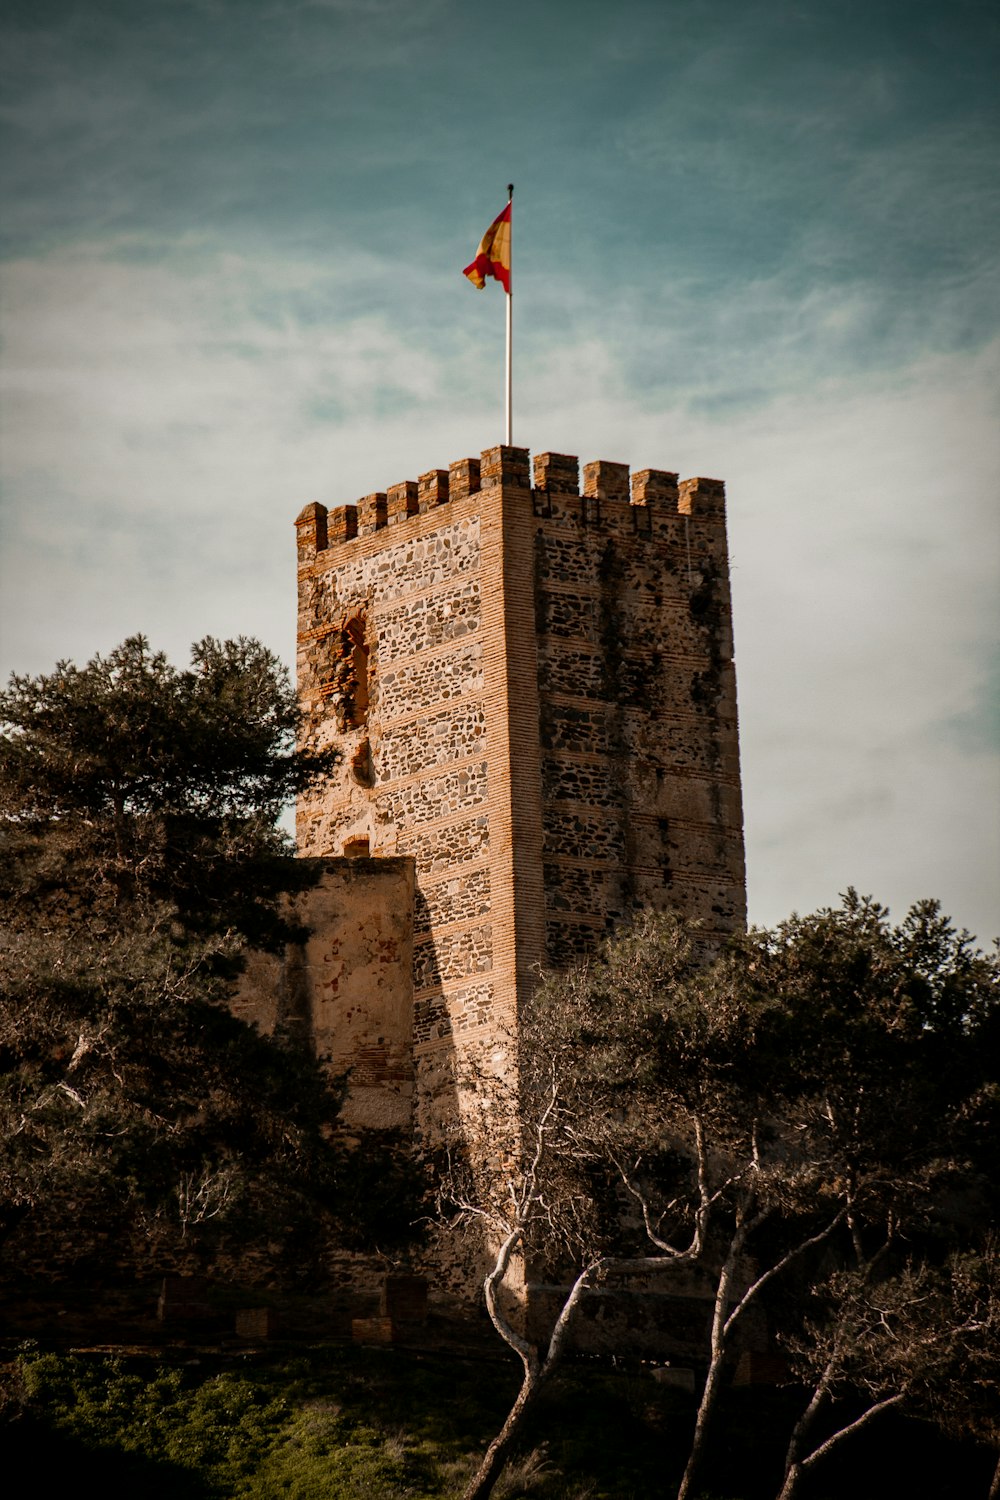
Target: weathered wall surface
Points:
(414, 777)
(532, 682)
(637, 699)
(349, 986)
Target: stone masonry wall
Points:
(413, 780)
(637, 699)
(349, 986)
(533, 688)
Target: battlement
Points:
(610, 497)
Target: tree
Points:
(139, 855)
(498, 1181)
(609, 1104)
(678, 1089)
(963, 1395)
(129, 781)
(901, 1028)
(924, 1339)
(797, 1105)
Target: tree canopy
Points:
(142, 1122)
(128, 780)
(807, 1119)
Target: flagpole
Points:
(510, 323)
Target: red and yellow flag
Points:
(493, 255)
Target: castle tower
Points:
(532, 684)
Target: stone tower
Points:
(532, 684)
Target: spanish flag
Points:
(493, 255)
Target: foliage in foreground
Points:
(348, 1424)
(808, 1123)
(140, 1120)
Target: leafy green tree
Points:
(129, 781)
(139, 856)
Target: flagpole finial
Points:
(510, 191)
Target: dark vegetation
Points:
(336, 1423)
(140, 1121)
(806, 1122)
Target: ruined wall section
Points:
(348, 986)
(637, 688)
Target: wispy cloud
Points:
(196, 413)
(753, 240)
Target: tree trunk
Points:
(995, 1486)
(486, 1476)
(793, 1457)
(796, 1465)
(796, 1443)
(536, 1371)
(714, 1376)
(792, 1476)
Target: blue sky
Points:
(757, 241)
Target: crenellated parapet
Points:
(611, 497)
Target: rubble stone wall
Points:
(349, 985)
